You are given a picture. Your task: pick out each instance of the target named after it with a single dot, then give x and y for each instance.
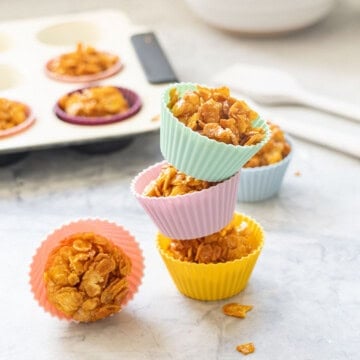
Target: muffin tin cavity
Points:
(26, 46)
(69, 33)
(9, 77)
(5, 42)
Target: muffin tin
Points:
(25, 48)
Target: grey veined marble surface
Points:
(306, 285)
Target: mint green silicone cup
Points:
(197, 155)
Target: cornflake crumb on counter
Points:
(246, 349)
(236, 310)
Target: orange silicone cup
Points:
(116, 233)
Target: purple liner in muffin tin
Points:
(132, 98)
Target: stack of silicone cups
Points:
(200, 213)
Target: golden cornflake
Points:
(86, 277)
(273, 151)
(86, 60)
(171, 182)
(230, 243)
(236, 310)
(217, 115)
(94, 102)
(246, 349)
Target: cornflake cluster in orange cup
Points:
(208, 249)
(86, 270)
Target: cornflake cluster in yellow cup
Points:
(216, 266)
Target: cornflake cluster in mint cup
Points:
(198, 155)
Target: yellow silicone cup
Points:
(213, 281)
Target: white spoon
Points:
(275, 87)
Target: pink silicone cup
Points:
(192, 215)
(29, 121)
(112, 70)
(117, 234)
(132, 98)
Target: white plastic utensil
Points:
(274, 87)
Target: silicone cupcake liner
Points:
(29, 121)
(197, 155)
(191, 215)
(112, 70)
(213, 281)
(117, 234)
(132, 98)
(263, 182)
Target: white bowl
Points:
(261, 16)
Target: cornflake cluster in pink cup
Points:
(188, 216)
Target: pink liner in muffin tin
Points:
(112, 70)
(132, 98)
(192, 215)
(29, 121)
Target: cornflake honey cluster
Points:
(171, 182)
(12, 113)
(217, 115)
(94, 102)
(230, 243)
(275, 150)
(86, 277)
(85, 60)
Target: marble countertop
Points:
(305, 288)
